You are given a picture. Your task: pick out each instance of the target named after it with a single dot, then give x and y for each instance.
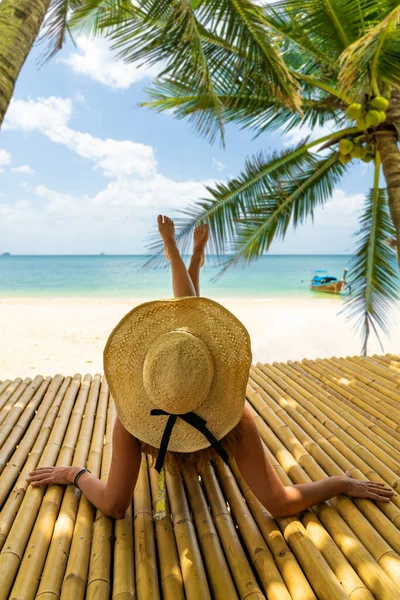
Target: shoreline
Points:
(67, 335)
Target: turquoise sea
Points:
(271, 276)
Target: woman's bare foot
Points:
(200, 237)
(167, 232)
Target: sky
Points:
(84, 169)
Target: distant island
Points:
(6, 254)
(102, 254)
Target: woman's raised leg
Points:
(200, 237)
(182, 284)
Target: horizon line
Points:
(11, 254)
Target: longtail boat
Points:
(322, 282)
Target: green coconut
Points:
(361, 124)
(354, 111)
(367, 158)
(373, 118)
(382, 116)
(358, 151)
(379, 103)
(345, 146)
(344, 158)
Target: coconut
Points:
(361, 124)
(382, 116)
(354, 111)
(379, 103)
(344, 158)
(345, 146)
(373, 118)
(367, 158)
(358, 151)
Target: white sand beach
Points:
(67, 335)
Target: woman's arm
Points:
(112, 497)
(283, 501)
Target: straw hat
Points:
(177, 370)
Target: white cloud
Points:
(220, 166)
(26, 169)
(50, 116)
(44, 114)
(95, 60)
(5, 158)
(133, 197)
(342, 210)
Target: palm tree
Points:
(271, 67)
(20, 23)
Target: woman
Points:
(143, 364)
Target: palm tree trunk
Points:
(20, 22)
(390, 157)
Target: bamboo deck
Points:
(316, 419)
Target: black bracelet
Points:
(81, 472)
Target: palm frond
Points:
(94, 17)
(55, 27)
(374, 57)
(291, 202)
(251, 110)
(233, 203)
(373, 277)
(320, 25)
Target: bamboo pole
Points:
(170, 572)
(123, 584)
(28, 426)
(376, 394)
(326, 378)
(45, 528)
(242, 573)
(74, 584)
(340, 407)
(45, 448)
(218, 576)
(4, 385)
(296, 582)
(145, 550)
(345, 427)
(9, 390)
(388, 363)
(374, 372)
(57, 552)
(258, 551)
(358, 556)
(32, 395)
(99, 574)
(11, 396)
(17, 539)
(193, 573)
(351, 582)
(344, 401)
(381, 546)
(319, 434)
(352, 450)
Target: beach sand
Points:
(67, 335)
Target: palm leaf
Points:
(219, 48)
(228, 204)
(55, 27)
(251, 110)
(373, 57)
(291, 202)
(94, 17)
(373, 277)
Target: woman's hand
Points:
(366, 489)
(53, 476)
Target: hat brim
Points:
(229, 344)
